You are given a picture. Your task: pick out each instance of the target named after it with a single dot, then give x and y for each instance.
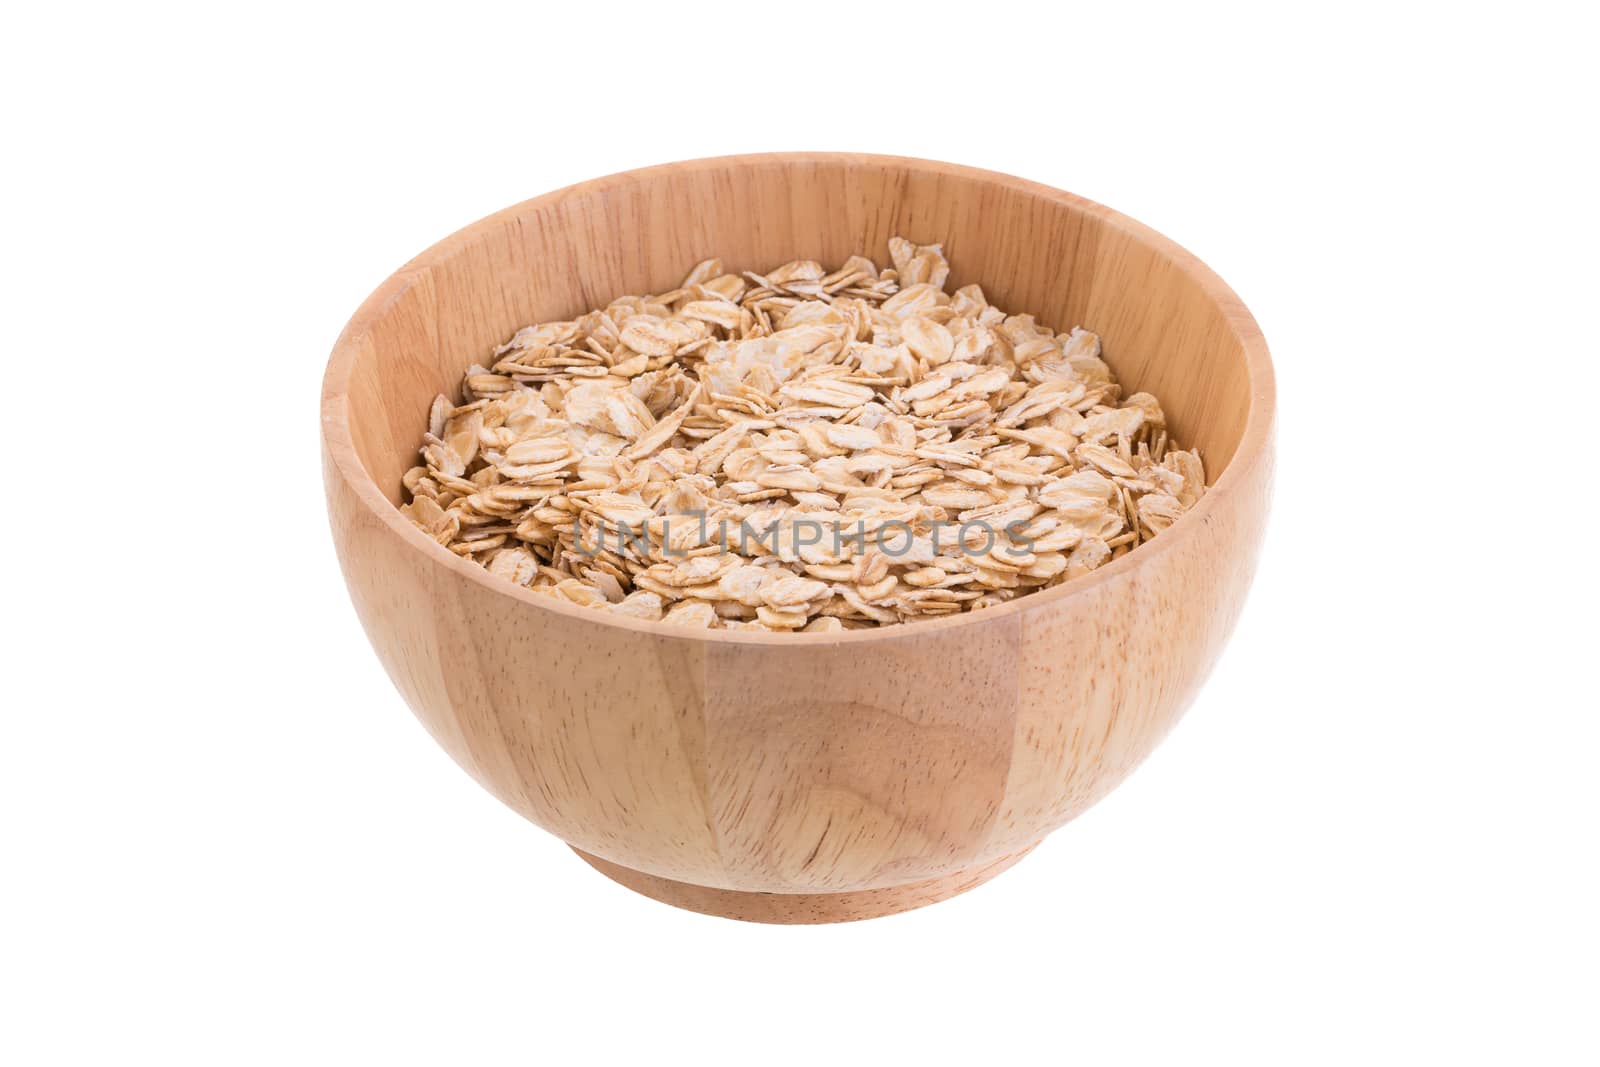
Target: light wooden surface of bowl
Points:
(810, 777)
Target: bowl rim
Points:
(1254, 443)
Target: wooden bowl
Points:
(810, 777)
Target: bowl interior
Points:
(1167, 324)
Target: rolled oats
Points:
(800, 450)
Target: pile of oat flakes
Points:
(676, 457)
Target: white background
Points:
(225, 840)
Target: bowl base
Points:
(800, 907)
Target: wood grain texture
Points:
(810, 777)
